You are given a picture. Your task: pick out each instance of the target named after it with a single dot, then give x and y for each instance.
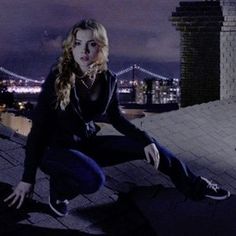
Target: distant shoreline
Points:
(22, 125)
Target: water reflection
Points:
(20, 124)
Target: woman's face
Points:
(85, 49)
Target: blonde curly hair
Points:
(66, 65)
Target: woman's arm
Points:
(42, 124)
(123, 125)
(36, 142)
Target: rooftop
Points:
(137, 200)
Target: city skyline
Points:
(139, 32)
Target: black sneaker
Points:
(55, 201)
(213, 191)
(59, 207)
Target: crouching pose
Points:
(63, 141)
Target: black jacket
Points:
(55, 127)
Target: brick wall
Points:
(228, 50)
(207, 50)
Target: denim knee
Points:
(81, 170)
(94, 183)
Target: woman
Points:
(63, 140)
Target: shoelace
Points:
(211, 185)
(64, 201)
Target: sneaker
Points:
(213, 191)
(57, 203)
(58, 207)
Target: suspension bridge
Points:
(129, 87)
(139, 68)
(5, 73)
(14, 76)
(136, 85)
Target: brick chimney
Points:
(208, 50)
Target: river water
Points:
(20, 124)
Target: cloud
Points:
(136, 28)
(50, 45)
(157, 46)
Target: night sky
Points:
(139, 32)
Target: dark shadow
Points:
(29, 230)
(143, 210)
(9, 218)
(120, 218)
(169, 212)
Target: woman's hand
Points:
(21, 191)
(152, 155)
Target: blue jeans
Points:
(78, 170)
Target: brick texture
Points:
(208, 33)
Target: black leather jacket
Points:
(55, 127)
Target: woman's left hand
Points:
(152, 155)
(22, 190)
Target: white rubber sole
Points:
(54, 210)
(218, 198)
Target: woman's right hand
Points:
(22, 190)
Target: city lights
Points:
(24, 89)
(150, 88)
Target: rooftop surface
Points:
(136, 199)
